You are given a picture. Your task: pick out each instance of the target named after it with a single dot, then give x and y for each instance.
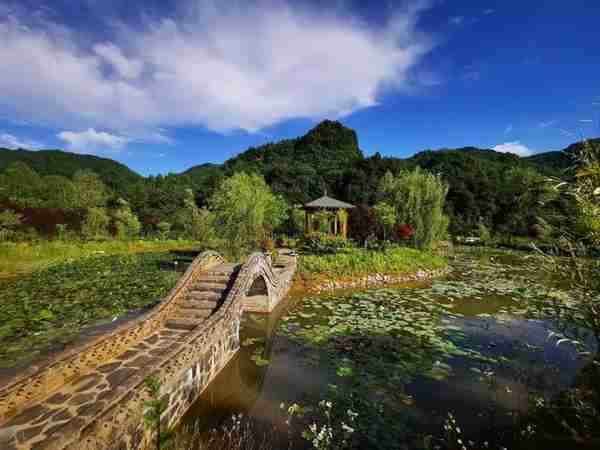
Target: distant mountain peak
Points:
(332, 135)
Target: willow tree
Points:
(246, 212)
(418, 197)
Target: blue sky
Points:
(164, 85)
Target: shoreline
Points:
(321, 285)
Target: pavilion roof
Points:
(328, 202)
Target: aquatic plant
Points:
(356, 262)
(51, 306)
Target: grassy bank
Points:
(23, 257)
(52, 305)
(359, 262)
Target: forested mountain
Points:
(56, 162)
(486, 187)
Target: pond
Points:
(405, 357)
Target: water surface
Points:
(403, 357)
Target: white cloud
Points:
(508, 129)
(489, 11)
(13, 142)
(514, 147)
(213, 66)
(91, 139)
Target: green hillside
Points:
(57, 162)
(329, 158)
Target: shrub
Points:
(127, 225)
(362, 223)
(9, 221)
(484, 234)
(287, 242)
(403, 232)
(164, 229)
(358, 262)
(322, 243)
(95, 226)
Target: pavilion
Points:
(337, 224)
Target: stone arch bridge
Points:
(92, 396)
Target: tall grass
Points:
(357, 262)
(24, 257)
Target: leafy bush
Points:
(484, 234)
(403, 232)
(9, 220)
(287, 242)
(127, 225)
(163, 228)
(362, 223)
(322, 243)
(95, 226)
(355, 262)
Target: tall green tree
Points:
(126, 222)
(195, 223)
(90, 191)
(386, 217)
(21, 184)
(418, 198)
(59, 192)
(246, 211)
(95, 225)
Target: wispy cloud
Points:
(457, 20)
(508, 129)
(471, 75)
(549, 123)
(566, 133)
(208, 65)
(92, 140)
(11, 141)
(514, 147)
(489, 11)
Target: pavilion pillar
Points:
(335, 224)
